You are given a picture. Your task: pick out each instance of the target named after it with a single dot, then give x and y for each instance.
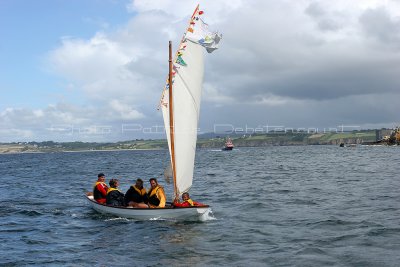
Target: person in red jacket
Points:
(100, 189)
(187, 202)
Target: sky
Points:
(94, 70)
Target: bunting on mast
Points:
(197, 32)
(181, 98)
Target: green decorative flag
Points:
(180, 61)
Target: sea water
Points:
(270, 206)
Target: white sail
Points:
(186, 109)
(188, 70)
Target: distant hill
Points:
(207, 140)
(285, 139)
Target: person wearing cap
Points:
(114, 196)
(187, 202)
(156, 195)
(100, 189)
(136, 196)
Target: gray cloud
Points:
(296, 62)
(380, 25)
(324, 21)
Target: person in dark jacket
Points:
(114, 196)
(100, 189)
(136, 196)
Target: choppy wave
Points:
(275, 206)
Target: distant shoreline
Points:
(112, 150)
(79, 151)
(211, 141)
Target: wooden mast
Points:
(171, 121)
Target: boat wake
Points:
(207, 216)
(117, 219)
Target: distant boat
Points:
(347, 145)
(228, 145)
(180, 105)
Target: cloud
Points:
(325, 21)
(298, 62)
(125, 112)
(37, 118)
(82, 60)
(290, 57)
(67, 122)
(380, 25)
(182, 9)
(212, 94)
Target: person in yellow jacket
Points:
(156, 195)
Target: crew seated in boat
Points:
(187, 202)
(156, 194)
(100, 189)
(136, 196)
(114, 196)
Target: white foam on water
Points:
(117, 219)
(207, 216)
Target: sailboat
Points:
(180, 105)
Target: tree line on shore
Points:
(217, 141)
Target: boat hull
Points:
(182, 213)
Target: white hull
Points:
(185, 213)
